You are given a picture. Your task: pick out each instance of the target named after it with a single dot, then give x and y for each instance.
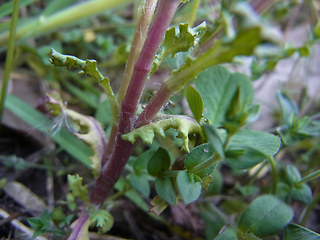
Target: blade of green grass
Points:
(37, 120)
(10, 54)
(6, 8)
(40, 25)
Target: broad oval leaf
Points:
(159, 162)
(197, 156)
(140, 182)
(265, 216)
(165, 189)
(217, 87)
(228, 234)
(195, 102)
(264, 142)
(189, 190)
(297, 232)
(243, 158)
(302, 193)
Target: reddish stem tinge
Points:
(122, 150)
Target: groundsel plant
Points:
(221, 103)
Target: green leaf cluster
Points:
(177, 40)
(43, 224)
(102, 219)
(294, 127)
(291, 187)
(77, 189)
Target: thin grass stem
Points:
(10, 54)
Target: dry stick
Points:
(136, 47)
(112, 170)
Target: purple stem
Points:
(154, 106)
(143, 65)
(79, 225)
(122, 150)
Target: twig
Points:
(17, 224)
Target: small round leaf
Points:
(189, 190)
(265, 216)
(165, 189)
(159, 162)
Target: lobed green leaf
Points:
(147, 132)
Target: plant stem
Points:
(309, 209)
(10, 55)
(81, 224)
(136, 46)
(143, 65)
(61, 18)
(195, 6)
(309, 177)
(122, 149)
(275, 175)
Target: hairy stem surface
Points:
(122, 149)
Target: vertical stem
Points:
(309, 209)
(136, 46)
(195, 6)
(143, 65)
(122, 150)
(274, 174)
(81, 226)
(10, 55)
(154, 106)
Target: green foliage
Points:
(43, 225)
(214, 139)
(265, 216)
(87, 67)
(84, 127)
(221, 155)
(219, 52)
(66, 140)
(178, 40)
(40, 224)
(102, 219)
(291, 186)
(147, 132)
(159, 162)
(297, 232)
(77, 189)
(165, 189)
(227, 97)
(199, 156)
(195, 102)
(188, 187)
